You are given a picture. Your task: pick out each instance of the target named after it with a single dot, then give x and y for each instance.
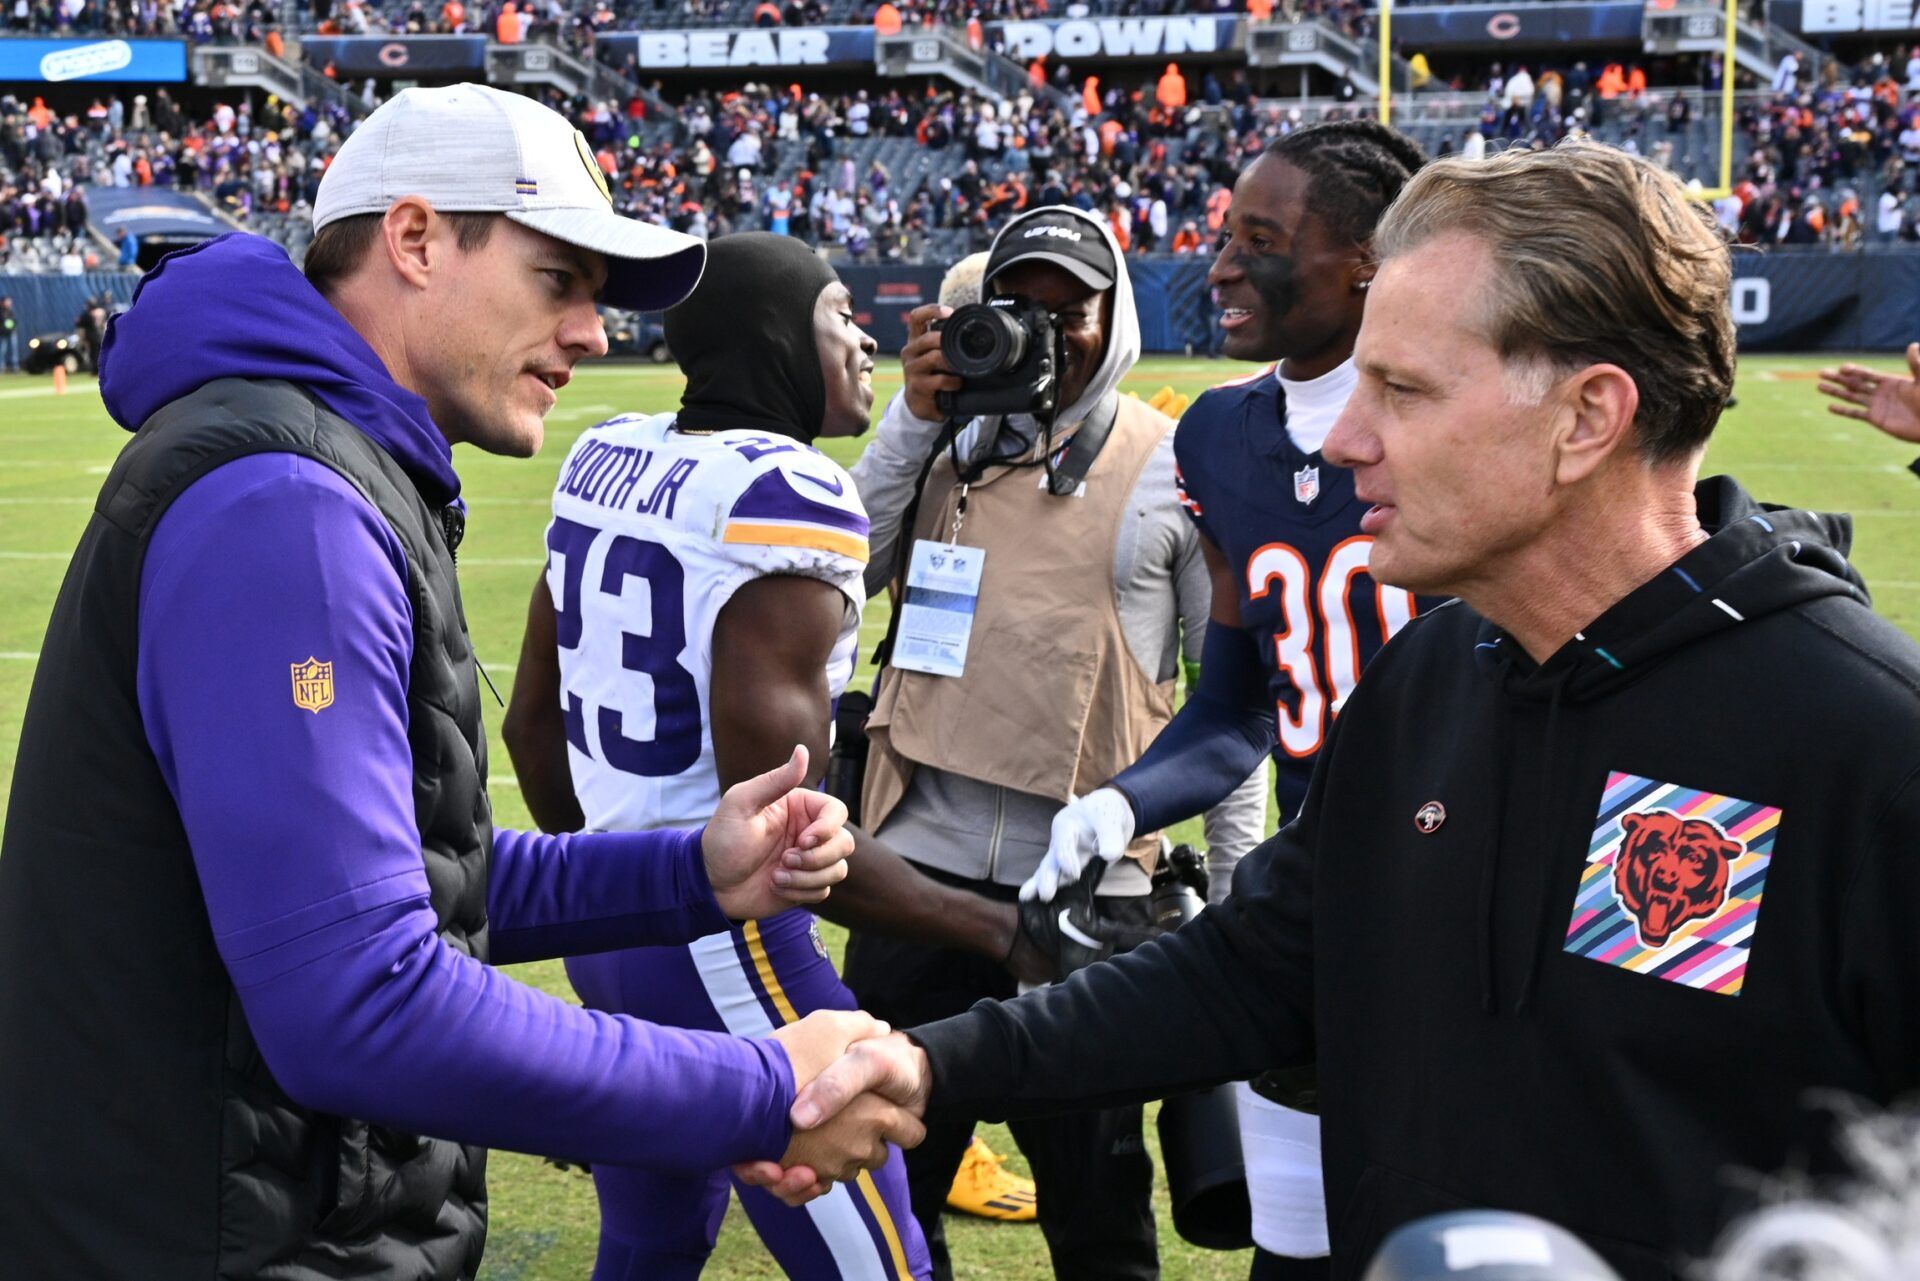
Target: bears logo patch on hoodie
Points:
(1673, 883)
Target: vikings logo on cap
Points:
(593, 166)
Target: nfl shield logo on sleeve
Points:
(1306, 484)
(312, 685)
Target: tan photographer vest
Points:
(1052, 702)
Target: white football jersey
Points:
(653, 531)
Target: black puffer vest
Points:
(141, 1135)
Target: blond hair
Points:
(1599, 257)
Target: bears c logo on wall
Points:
(1673, 883)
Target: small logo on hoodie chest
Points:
(1429, 817)
(1673, 883)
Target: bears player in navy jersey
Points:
(1295, 615)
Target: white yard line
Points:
(34, 393)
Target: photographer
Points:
(1085, 574)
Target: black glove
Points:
(847, 758)
(1071, 932)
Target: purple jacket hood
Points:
(236, 307)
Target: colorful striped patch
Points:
(526, 186)
(1673, 883)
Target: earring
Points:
(1361, 285)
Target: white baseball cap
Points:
(471, 148)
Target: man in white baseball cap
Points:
(254, 756)
(481, 204)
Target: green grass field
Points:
(54, 449)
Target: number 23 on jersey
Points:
(674, 744)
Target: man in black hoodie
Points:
(1529, 922)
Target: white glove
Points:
(1097, 824)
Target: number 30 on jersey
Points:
(1335, 669)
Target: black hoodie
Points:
(1576, 939)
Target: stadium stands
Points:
(928, 170)
(240, 164)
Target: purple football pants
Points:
(662, 1226)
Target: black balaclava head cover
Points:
(744, 338)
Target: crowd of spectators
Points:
(761, 157)
(201, 21)
(257, 22)
(1828, 160)
(252, 163)
(894, 173)
(1157, 157)
(1835, 161)
(575, 22)
(810, 165)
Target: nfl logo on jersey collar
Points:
(1306, 484)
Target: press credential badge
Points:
(936, 618)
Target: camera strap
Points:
(1065, 477)
(903, 542)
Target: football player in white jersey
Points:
(697, 618)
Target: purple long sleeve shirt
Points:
(302, 829)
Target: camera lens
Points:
(979, 341)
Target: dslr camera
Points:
(1008, 353)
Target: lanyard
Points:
(959, 511)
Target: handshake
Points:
(860, 1086)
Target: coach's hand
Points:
(874, 1094)
(816, 1042)
(889, 1065)
(923, 369)
(1889, 402)
(1097, 825)
(773, 844)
